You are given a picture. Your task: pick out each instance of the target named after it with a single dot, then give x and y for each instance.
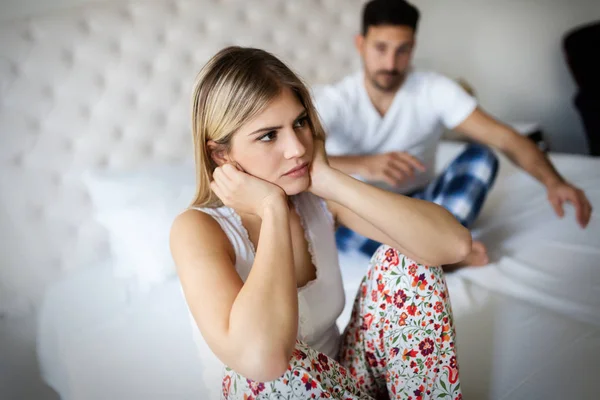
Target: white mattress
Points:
(528, 324)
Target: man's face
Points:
(386, 51)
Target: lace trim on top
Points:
(307, 237)
(243, 229)
(309, 241)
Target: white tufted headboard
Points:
(107, 85)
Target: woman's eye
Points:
(301, 122)
(267, 137)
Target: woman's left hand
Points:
(320, 170)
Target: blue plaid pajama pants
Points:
(461, 189)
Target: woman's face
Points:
(277, 145)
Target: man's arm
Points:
(524, 153)
(392, 168)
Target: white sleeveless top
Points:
(320, 301)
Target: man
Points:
(384, 124)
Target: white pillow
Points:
(137, 209)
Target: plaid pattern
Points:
(461, 189)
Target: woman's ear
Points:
(217, 152)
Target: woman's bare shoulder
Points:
(196, 233)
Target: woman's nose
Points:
(293, 146)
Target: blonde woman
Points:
(257, 259)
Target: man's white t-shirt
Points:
(425, 104)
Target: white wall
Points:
(509, 50)
(10, 9)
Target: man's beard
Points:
(391, 84)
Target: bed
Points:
(95, 154)
(528, 324)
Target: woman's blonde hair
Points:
(232, 88)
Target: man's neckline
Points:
(365, 86)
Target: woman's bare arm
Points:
(250, 326)
(423, 231)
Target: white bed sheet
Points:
(528, 324)
(94, 343)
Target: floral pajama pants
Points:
(399, 344)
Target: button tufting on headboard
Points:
(107, 86)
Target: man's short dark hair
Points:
(389, 12)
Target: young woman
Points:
(258, 264)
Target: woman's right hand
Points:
(243, 192)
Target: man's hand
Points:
(523, 152)
(563, 191)
(392, 168)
